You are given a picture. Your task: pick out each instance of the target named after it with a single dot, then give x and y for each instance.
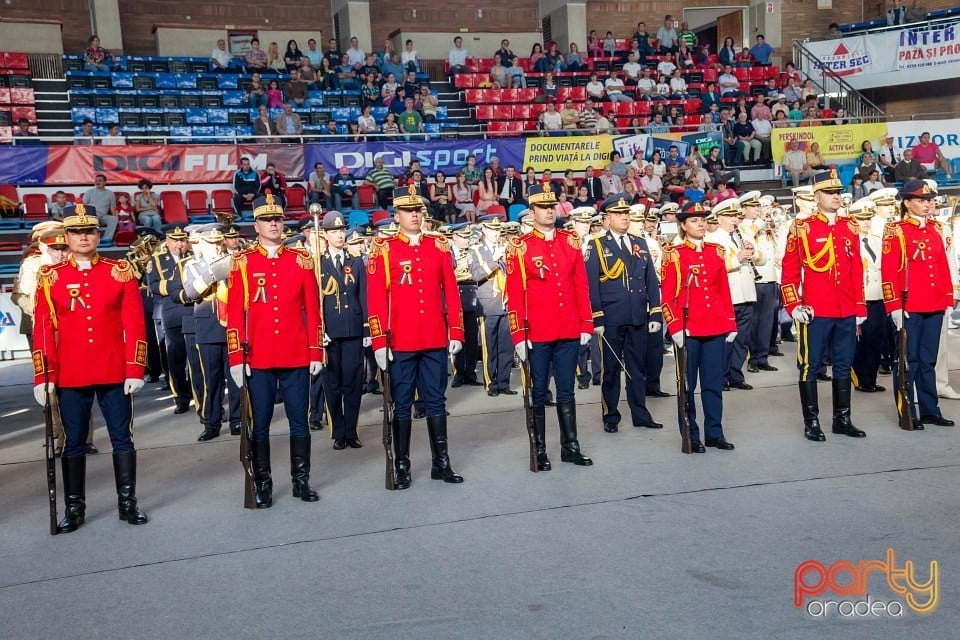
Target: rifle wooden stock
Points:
(525, 383)
(390, 481)
(680, 353)
(49, 452)
(246, 427)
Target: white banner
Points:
(916, 48)
(944, 133)
(10, 337)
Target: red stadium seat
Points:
(197, 202)
(365, 196)
(11, 245)
(578, 94)
(641, 108)
(508, 96)
(710, 75)
(222, 201)
(521, 112)
(485, 112)
(174, 211)
(23, 95)
(296, 201)
(473, 96)
(527, 95)
(692, 105)
(124, 238)
(4, 95)
(35, 206)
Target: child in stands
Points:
(274, 96)
(125, 214)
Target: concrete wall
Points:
(354, 18)
(176, 41)
(436, 46)
(26, 37)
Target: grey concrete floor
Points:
(646, 543)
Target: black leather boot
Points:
(842, 423)
(540, 438)
(262, 481)
(441, 470)
(300, 469)
(401, 453)
(810, 406)
(125, 473)
(74, 493)
(569, 447)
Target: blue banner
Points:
(448, 156)
(22, 165)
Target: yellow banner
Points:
(839, 143)
(560, 153)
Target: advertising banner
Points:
(23, 165)
(918, 48)
(943, 133)
(10, 337)
(567, 152)
(839, 144)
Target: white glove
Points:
(678, 339)
(731, 336)
(455, 347)
(521, 349)
(236, 372)
(802, 314)
(326, 339)
(897, 317)
(654, 327)
(598, 330)
(585, 339)
(367, 342)
(316, 366)
(39, 393)
(861, 320)
(132, 385)
(381, 355)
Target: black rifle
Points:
(390, 478)
(49, 450)
(525, 383)
(904, 394)
(246, 427)
(680, 353)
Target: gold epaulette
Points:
(670, 253)
(891, 229)
(121, 271)
(572, 238)
(440, 240)
(238, 260)
(515, 245)
(721, 250)
(304, 260)
(48, 274)
(378, 246)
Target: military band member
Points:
(159, 277)
(625, 297)
(415, 321)
(549, 314)
(739, 254)
(762, 343)
(204, 280)
(951, 229)
(650, 221)
(915, 261)
(89, 313)
(343, 290)
(465, 362)
(583, 222)
(487, 269)
(866, 359)
(273, 312)
(695, 278)
(822, 289)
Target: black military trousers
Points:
(465, 362)
(627, 344)
(176, 362)
(213, 370)
(343, 385)
(497, 352)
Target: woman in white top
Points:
(366, 121)
(656, 161)
(409, 57)
(388, 90)
(873, 183)
(595, 88)
(678, 86)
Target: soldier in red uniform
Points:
(273, 310)
(915, 261)
(89, 310)
(549, 315)
(822, 289)
(415, 319)
(698, 310)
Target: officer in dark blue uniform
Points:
(315, 243)
(343, 290)
(172, 313)
(204, 280)
(465, 362)
(625, 297)
(488, 270)
(582, 220)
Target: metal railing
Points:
(838, 93)
(46, 66)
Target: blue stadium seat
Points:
(107, 115)
(218, 116)
(79, 114)
(196, 116)
(358, 218)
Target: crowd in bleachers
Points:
(18, 112)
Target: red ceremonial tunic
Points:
(412, 293)
(547, 287)
(89, 324)
(915, 259)
(710, 310)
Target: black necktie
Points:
(338, 263)
(623, 245)
(866, 245)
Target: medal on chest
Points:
(261, 294)
(406, 277)
(920, 251)
(76, 301)
(542, 269)
(348, 276)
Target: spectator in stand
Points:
(220, 58)
(295, 88)
(594, 45)
(509, 188)
(104, 201)
(744, 59)
(313, 54)
(457, 57)
(808, 91)
(610, 182)
(390, 126)
(23, 136)
(463, 198)
(113, 138)
(366, 122)
(411, 122)
(274, 61)
(604, 123)
(747, 140)
(256, 92)
(632, 69)
(792, 92)
(728, 53)
(617, 165)
(887, 157)
(388, 91)
(595, 89)
(355, 55)
(666, 66)
(909, 168)
(674, 183)
(760, 109)
(583, 199)
(873, 182)
(811, 118)
(643, 40)
(265, 128)
(125, 214)
(780, 107)
(344, 190)
(790, 71)
(516, 73)
(386, 51)
(587, 122)
(868, 165)
(709, 96)
(393, 66)
(551, 121)
(370, 92)
(499, 76)
(347, 73)
(370, 68)
(289, 124)
(815, 159)
(651, 184)
(327, 76)
(505, 52)
(427, 104)
(678, 86)
(292, 56)
(552, 60)
(409, 58)
(673, 158)
(712, 117)
(658, 124)
(440, 202)
(487, 190)
(412, 85)
(274, 182)
(95, 57)
(318, 185)
(569, 117)
(928, 152)
(729, 85)
(536, 53)
(916, 13)
(472, 172)
(685, 57)
(839, 117)
(609, 45)
(147, 206)
(687, 37)
(575, 61)
(897, 14)
(856, 188)
(761, 51)
(662, 91)
(796, 112)
(57, 206)
(333, 53)
(771, 90)
(382, 181)
(667, 36)
(85, 137)
(646, 88)
(549, 90)
(274, 95)
(715, 166)
(307, 73)
(795, 165)
(614, 88)
(694, 191)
